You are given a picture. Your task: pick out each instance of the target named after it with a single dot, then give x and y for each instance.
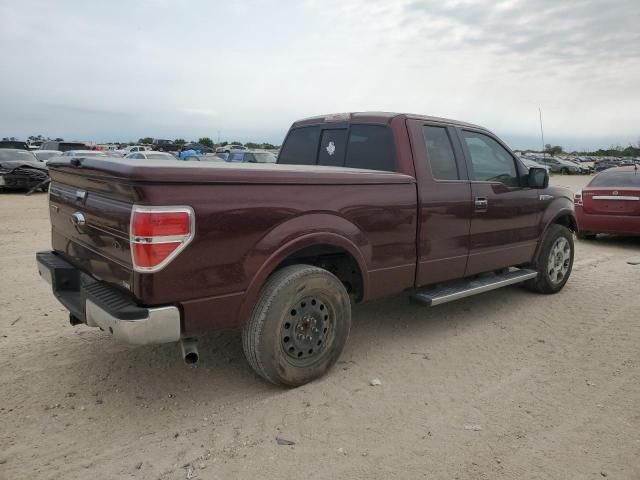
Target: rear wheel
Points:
(299, 326)
(554, 262)
(564, 171)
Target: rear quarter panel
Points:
(243, 233)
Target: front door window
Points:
(490, 161)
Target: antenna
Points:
(541, 131)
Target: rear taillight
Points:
(158, 234)
(577, 199)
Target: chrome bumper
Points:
(161, 325)
(99, 305)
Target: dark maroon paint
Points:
(403, 230)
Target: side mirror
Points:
(538, 177)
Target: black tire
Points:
(585, 236)
(564, 171)
(297, 301)
(549, 279)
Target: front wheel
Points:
(554, 262)
(299, 326)
(564, 171)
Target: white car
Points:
(83, 153)
(135, 148)
(151, 155)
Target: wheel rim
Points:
(308, 329)
(559, 260)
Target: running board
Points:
(466, 288)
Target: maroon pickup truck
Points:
(359, 206)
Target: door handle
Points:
(481, 204)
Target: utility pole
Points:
(541, 131)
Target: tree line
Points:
(208, 142)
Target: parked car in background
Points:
(207, 157)
(15, 144)
(165, 145)
(198, 147)
(610, 203)
(83, 153)
(532, 164)
(112, 153)
(63, 146)
(44, 155)
(252, 156)
(20, 170)
(230, 148)
(134, 148)
(557, 165)
(360, 206)
(604, 165)
(151, 155)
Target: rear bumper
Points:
(99, 305)
(613, 224)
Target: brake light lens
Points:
(158, 235)
(155, 224)
(577, 199)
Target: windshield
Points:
(20, 155)
(265, 157)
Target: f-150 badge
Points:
(331, 148)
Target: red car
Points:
(610, 204)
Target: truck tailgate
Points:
(91, 228)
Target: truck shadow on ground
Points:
(157, 373)
(141, 374)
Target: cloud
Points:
(127, 69)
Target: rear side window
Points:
(300, 147)
(629, 178)
(440, 154)
(371, 146)
(332, 147)
(359, 146)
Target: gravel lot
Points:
(509, 385)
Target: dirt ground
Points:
(506, 385)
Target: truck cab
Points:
(480, 209)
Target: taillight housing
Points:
(577, 199)
(158, 235)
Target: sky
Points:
(244, 70)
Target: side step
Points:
(465, 288)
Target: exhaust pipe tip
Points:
(191, 358)
(190, 353)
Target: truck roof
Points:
(376, 117)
